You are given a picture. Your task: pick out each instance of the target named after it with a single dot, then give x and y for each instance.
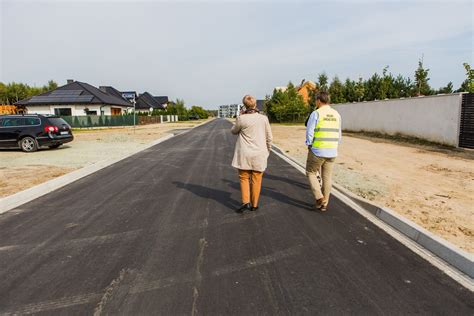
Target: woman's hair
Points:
(249, 102)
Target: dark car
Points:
(29, 132)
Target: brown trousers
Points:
(319, 165)
(250, 186)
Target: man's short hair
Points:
(249, 102)
(324, 97)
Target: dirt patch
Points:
(432, 186)
(15, 179)
(20, 171)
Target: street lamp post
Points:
(134, 110)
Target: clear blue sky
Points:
(212, 53)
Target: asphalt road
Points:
(157, 234)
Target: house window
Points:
(91, 112)
(116, 111)
(63, 112)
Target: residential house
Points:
(146, 103)
(306, 89)
(76, 99)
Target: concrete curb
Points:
(462, 261)
(22, 197)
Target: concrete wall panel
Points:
(434, 118)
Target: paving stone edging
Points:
(12, 201)
(458, 258)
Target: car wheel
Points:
(28, 144)
(54, 146)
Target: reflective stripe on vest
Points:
(326, 132)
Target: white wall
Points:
(434, 118)
(76, 110)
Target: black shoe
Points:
(253, 209)
(243, 208)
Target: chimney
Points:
(70, 81)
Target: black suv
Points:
(29, 132)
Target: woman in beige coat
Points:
(251, 152)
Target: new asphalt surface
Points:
(157, 234)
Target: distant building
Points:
(77, 99)
(229, 110)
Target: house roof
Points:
(309, 84)
(260, 104)
(162, 99)
(147, 101)
(112, 91)
(75, 93)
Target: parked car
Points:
(29, 132)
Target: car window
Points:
(56, 121)
(13, 121)
(32, 121)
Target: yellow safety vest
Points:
(326, 132)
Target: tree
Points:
(286, 106)
(402, 87)
(468, 84)
(447, 89)
(180, 107)
(349, 89)
(359, 90)
(3, 92)
(51, 86)
(198, 111)
(336, 91)
(372, 88)
(13, 92)
(323, 82)
(387, 90)
(421, 80)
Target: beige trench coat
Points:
(254, 142)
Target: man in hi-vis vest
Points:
(323, 135)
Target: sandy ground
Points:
(19, 170)
(434, 187)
